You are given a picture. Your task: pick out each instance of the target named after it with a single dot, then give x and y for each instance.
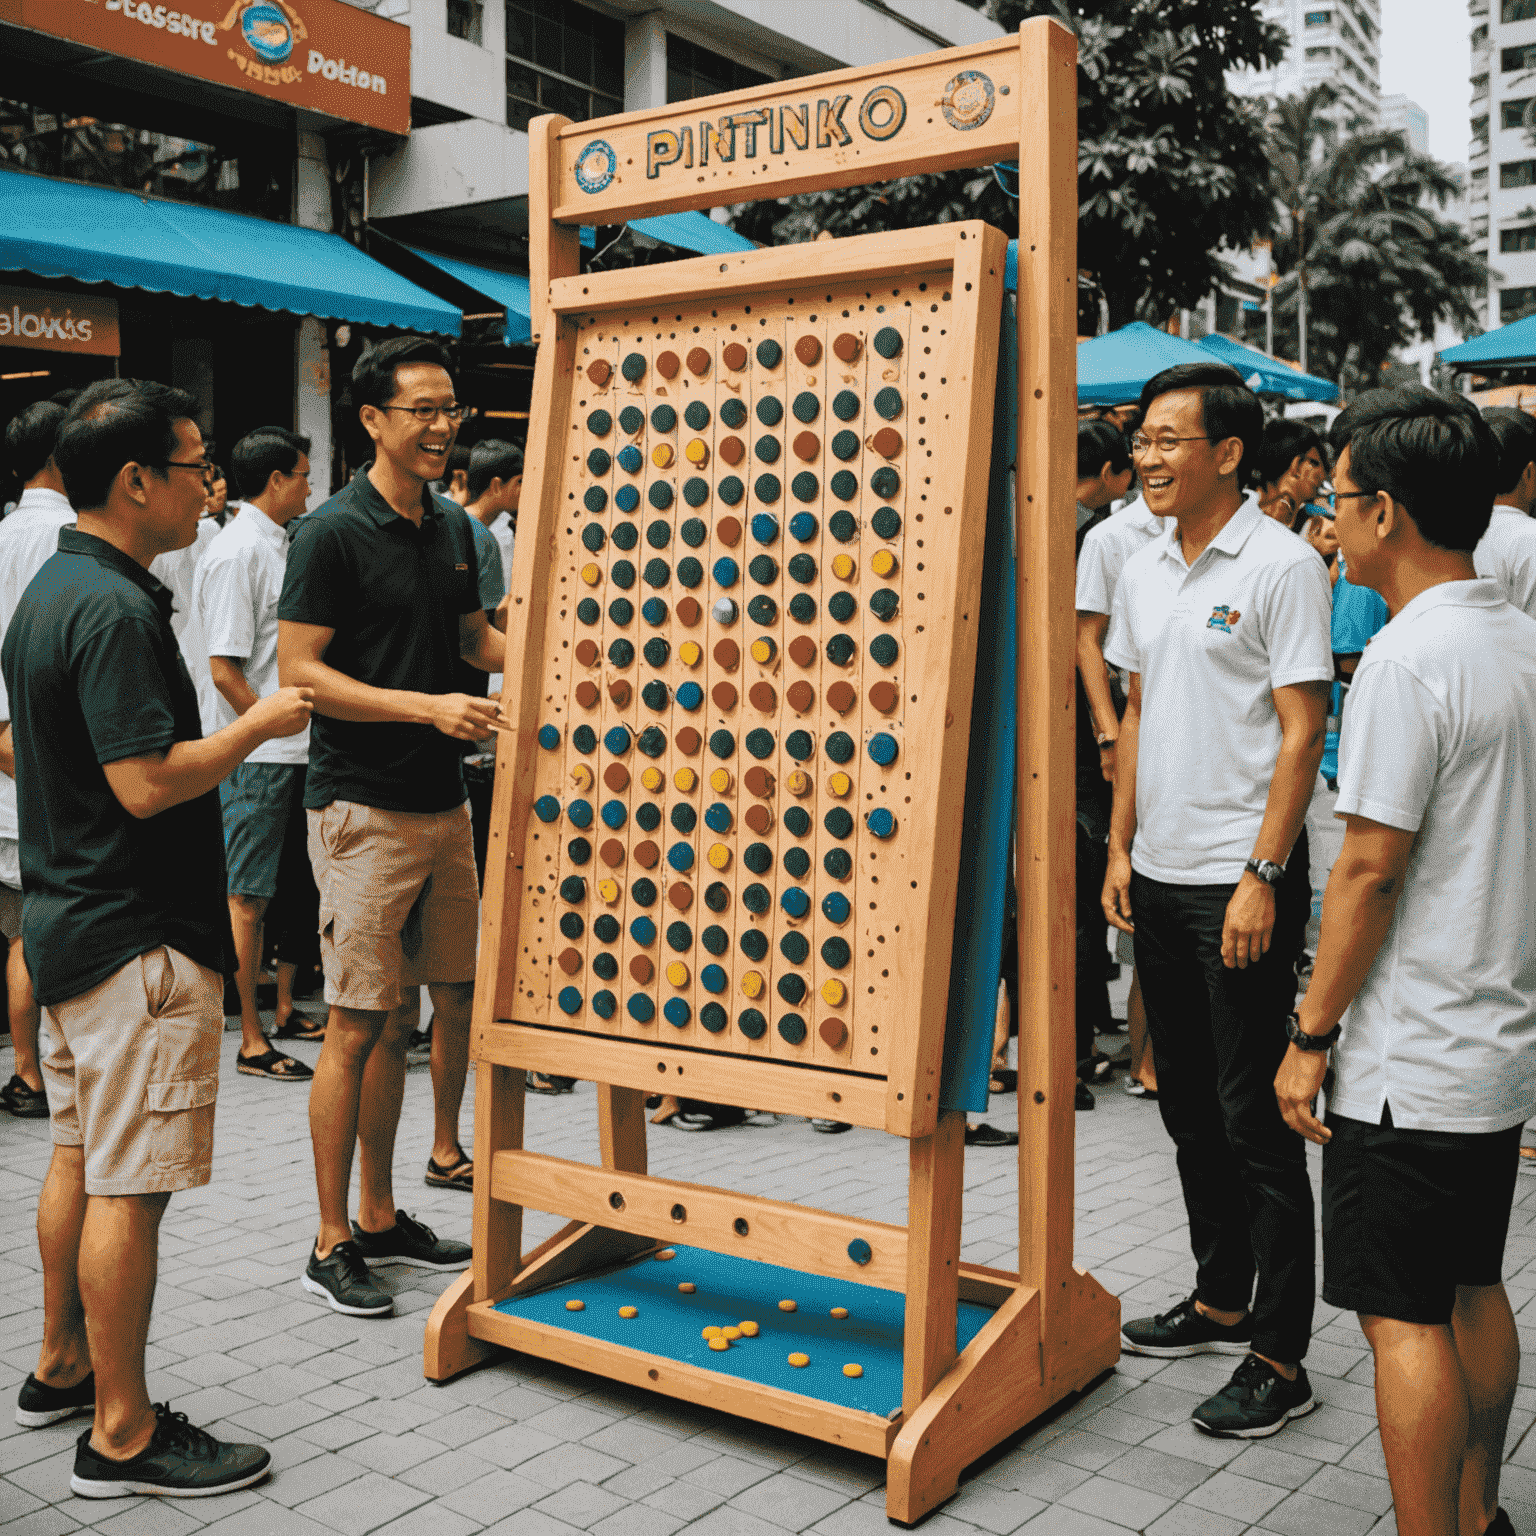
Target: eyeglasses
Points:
(1334, 497)
(430, 413)
(202, 466)
(1141, 443)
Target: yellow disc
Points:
(749, 1329)
(719, 856)
(690, 653)
(853, 1370)
(687, 1287)
(712, 1332)
(665, 1254)
(798, 1360)
(662, 455)
(629, 1311)
(730, 1333)
(677, 974)
(720, 781)
(787, 1306)
(581, 776)
(842, 566)
(608, 891)
(719, 1343)
(752, 984)
(882, 562)
(833, 992)
(685, 779)
(839, 1311)
(591, 574)
(697, 452)
(763, 651)
(575, 1306)
(653, 779)
(798, 782)
(839, 784)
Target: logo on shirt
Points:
(1224, 618)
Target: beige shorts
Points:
(132, 1071)
(399, 901)
(10, 912)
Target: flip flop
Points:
(300, 1026)
(274, 1066)
(985, 1135)
(459, 1174)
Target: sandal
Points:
(696, 1115)
(273, 1065)
(23, 1101)
(1003, 1080)
(459, 1174)
(544, 1082)
(300, 1026)
(985, 1135)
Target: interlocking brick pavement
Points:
(363, 1445)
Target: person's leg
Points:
(334, 1097)
(293, 916)
(1093, 1015)
(451, 1007)
(65, 1357)
(378, 1119)
(1143, 1059)
(245, 918)
(1488, 1346)
(21, 1005)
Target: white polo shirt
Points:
(235, 593)
(1507, 554)
(1440, 739)
(1105, 551)
(1212, 642)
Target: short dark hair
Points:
(1283, 443)
(254, 459)
(373, 374)
(1515, 433)
(1228, 408)
(116, 422)
(29, 439)
(1433, 453)
(458, 458)
(1100, 443)
(493, 459)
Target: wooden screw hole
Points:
(679, 1213)
(740, 1226)
(616, 1200)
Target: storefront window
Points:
(562, 58)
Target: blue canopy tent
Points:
(1507, 347)
(688, 231)
(1266, 375)
(1112, 369)
(507, 289)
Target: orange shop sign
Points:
(320, 54)
(58, 322)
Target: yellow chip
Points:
(687, 1287)
(581, 776)
(730, 1333)
(608, 891)
(685, 779)
(575, 1306)
(763, 650)
(833, 992)
(653, 779)
(842, 566)
(882, 562)
(697, 452)
(719, 856)
(629, 1311)
(712, 1332)
(749, 1329)
(677, 974)
(719, 1343)
(839, 1311)
(798, 1360)
(720, 781)
(665, 1254)
(690, 653)
(788, 1306)
(798, 782)
(591, 574)
(662, 455)
(752, 984)
(839, 784)
(853, 1370)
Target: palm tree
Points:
(1368, 263)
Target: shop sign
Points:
(58, 322)
(320, 54)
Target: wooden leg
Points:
(621, 1127)
(934, 1194)
(449, 1350)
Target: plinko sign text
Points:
(319, 54)
(45, 321)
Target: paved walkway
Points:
(361, 1443)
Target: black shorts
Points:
(1410, 1215)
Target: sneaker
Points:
(411, 1242)
(1084, 1098)
(343, 1279)
(1258, 1401)
(180, 1461)
(1184, 1330)
(38, 1404)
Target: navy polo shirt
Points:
(95, 676)
(393, 593)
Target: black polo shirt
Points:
(394, 594)
(95, 676)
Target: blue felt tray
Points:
(732, 1290)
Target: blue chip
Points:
(717, 818)
(882, 747)
(617, 740)
(676, 1011)
(712, 978)
(549, 737)
(546, 807)
(614, 813)
(604, 1003)
(835, 908)
(765, 527)
(626, 498)
(726, 571)
(752, 1024)
(680, 857)
(802, 526)
(654, 611)
(689, 696)
(795, 902)
(570, 1000)
(583, 738)
(643, 931)
(580, 812)
(630, 459)
(880, 822)
(859, 1250)
(641, 1008)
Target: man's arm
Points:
(1122, 818)
(480, 644)
(1250, 919)
(229, 678)
(300, 663)
(1358, 908)
(7, 752)
(1091, 629)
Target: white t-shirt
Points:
(1105, 551)
(1440, 739)
(506, 535)
(178, 570)
(28, 537)
(235, 593)
(1507, 553)
(1212, 642)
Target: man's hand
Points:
(1107, 761)
(1249, 924)
(1296, 1087)
(1117, 892)
(284, 713)
(465, 717)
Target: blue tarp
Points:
(1265, 375)
(507, 289)
(1514, 343)
(687, 231)
(1112, 369)
(101, 235)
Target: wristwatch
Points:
(1305, 1042)
(1266, 870)
(1104, 739)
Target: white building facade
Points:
(1336, 43)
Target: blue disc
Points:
(641, 1008)
(765, 527)
(583, 738)
(604, 1003)
(802, 526)
(626, 498)
(660, 495)
(689, 696)
(643, 931)
(546, 808)
(617, 740)
(792, 1028)
(680, 857)
(653, 741)
(882, 747)
(570, 1000)
(654, 611)
(726, 572)
(580, 812)
(573, 890)
(835, 907)
(712, 978)
(717, 818)
(614, 813)
(676, 1011)
(549, 737)
(795, 902)
(730, 490)
(752, 1024)
(859, 1251)
(630, 459)
(880, 822)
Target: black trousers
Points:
(1093, 1015)
(1218, 1036)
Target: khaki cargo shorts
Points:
(132, 1072)
(399, 901)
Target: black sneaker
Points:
(180, 1461)
(1258, 1401)
(38, 1404)
(411, 1242)
(1183, 1330)
(343, 1279)
(1084, 1099)
(1499, 1525)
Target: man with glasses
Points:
(380, 602)
(1222, 622)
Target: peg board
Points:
(758, 647)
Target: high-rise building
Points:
(1409, 119)
(1336, 43)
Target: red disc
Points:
(834, 1032)
(641, 969)
(762, 696)
(569, 961)
(841, 697)
(806, 445)
(808, 349)
(886, 442)
(731, 450)
(587, 652)
(846, 347)
(734, 357)
(687, 612)
(612, 853)
(759, 782)
(802, 650)
(698, 362)
(688, 741)
(727, 654)
(618, 691)
(616, 777)
(800, 697)
(884, 697)
(728, 531)
(724, 695)
(759, 818)
(680, 894)
(646, 854)
(667, 364)
(586, 693)
(600, 371)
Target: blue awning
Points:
(1513, 343)
(507, 289)
(1266, 375)
(687, 231)
(100, 235)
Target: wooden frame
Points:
(1054, 1329)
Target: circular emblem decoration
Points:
(267, 32)
(967, 101)
(597, 165)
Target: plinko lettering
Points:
(346, 74)
(43, 325)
